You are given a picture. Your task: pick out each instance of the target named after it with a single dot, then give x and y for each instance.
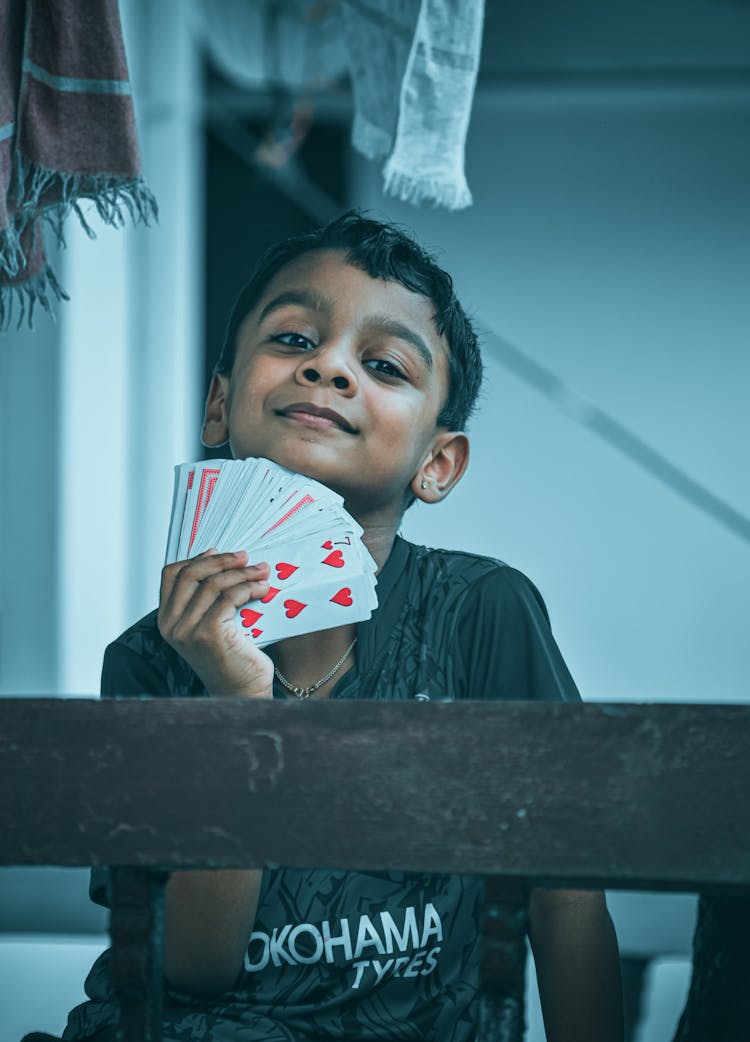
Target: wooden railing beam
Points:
(637, 796)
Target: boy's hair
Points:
(383, 251)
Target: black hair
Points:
(383, 251)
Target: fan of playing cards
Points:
(321, 572)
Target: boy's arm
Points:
(209, 916)
(577, 966)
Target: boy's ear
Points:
(443, 467)
(215, 421)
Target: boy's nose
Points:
(340, 381)
(328, 367)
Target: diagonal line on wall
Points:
(606, 427)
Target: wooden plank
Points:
(136, 928)
(642, 796)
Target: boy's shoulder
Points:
(466, 571)
(439, 558)
(486, 623)
(142, 638)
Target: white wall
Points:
(29, 377)
(41, 979)
(610, 240)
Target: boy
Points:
(349, 359)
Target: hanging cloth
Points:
(412, 64)
(67, 132)
(414, 67)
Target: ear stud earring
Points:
(424, 484)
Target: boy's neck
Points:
(379, 529)
(379, 541)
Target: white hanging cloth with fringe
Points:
(414, 67)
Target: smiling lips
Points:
(315, 416)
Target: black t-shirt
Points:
(364, 956)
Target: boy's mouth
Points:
(315, 416)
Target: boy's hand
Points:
(197, 616)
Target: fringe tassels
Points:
(114, 200)
(412, 188)
(23, 297)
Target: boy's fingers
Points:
(170, 573)
(179, 579)
(225, 590)
(224, 608)
(203, 622)
(198, 568)
(227, 585)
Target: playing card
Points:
(322, 574)
(304, 562)
(304, 609)
(200, 486)
(183, 481)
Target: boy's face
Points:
(338, 376)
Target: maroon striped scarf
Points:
(67, 132)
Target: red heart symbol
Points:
(256, 632)
(343, 597)
(249, 617)
(328, 545)
(284, 570)
(293, 608)
(272, 591)
(335, 559)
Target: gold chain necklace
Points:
(305, 692)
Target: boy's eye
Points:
(386, 368)
(295, 340)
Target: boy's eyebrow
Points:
(306, 298)
(394, 328)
